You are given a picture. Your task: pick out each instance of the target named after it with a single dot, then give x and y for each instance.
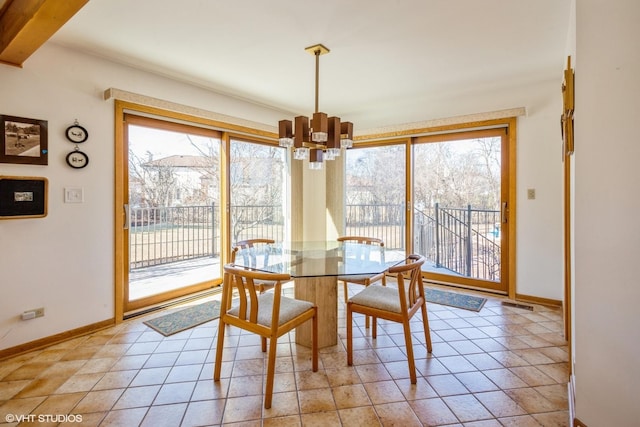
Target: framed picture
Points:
(23, 197)
(23, 141)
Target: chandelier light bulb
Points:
(319, 137)
(285, 142)
(301, 153)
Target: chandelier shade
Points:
(320, 138)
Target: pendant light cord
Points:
(317, 53)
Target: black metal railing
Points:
(386, 222)
(163, 235)
(257, 221)
(465, 241)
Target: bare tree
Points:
(457, 178)
(155, 185)
(257, 186)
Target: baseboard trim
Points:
(572, 399)
(573, 421)
(538, 300)
(55, 339)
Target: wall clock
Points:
(76, 133)
(77, 159)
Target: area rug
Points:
(452, 299)
(185, 318)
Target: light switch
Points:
(74, 195)
(531, 193)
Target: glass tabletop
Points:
(319, 259)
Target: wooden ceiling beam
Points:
(25, 25)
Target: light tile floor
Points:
(502, 366)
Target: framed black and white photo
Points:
(77, 159)
(76, 134)
(23, 141)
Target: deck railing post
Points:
(469, 241)
(437, 235)
(213, 229)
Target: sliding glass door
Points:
(173, 210)
(185, 193)
(448, 199)
(460, 193)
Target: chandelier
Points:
(326, 135)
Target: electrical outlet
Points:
(531, 193)
(32, 314)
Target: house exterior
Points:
(65, 261)
(187, 178)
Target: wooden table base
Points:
(323, 291)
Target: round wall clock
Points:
(77, 134)
(77, 159)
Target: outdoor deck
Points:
(147, 281)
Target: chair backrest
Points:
(415, 288)
(243, 282)
(252, 251)
(361, 239)
(364, 253)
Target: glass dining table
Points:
(315, 267)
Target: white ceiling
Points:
(391, 61)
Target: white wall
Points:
(607, 230)
(64, 262)
(539, 221)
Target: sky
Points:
(162, 143)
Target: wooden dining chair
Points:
(254, 249)
(397, 304)
(269, 315)
(363, 255)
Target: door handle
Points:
(126, 217)
(504, 212)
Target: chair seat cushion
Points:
(380, 297)
(289, 309)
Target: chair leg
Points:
(346, 292)
(271, 368)
(374, 328)
(220, 345)
(427, 331)
(366, 318)
(349, 335)
(263, 342)
(409, 345)
(314, 340)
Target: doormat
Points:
(452, 299)
(184, 319)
